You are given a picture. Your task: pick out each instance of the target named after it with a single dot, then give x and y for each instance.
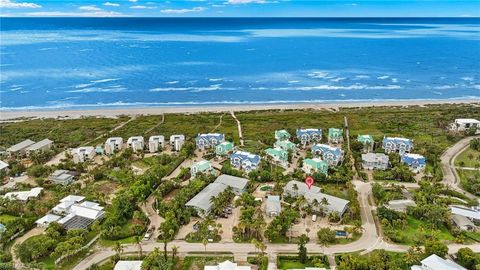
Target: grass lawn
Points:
(198, 262)
(416, 226)
(463, 160)
(469, 180)
(4, 218)
(292, 262)
(111, 243)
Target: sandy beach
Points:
(72, 114)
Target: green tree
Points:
(302, 249)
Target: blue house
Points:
(308, 135)
(244, 160)
(332, 155)
(397, 145)
(414, 161)
(209, 140)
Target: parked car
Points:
(147, 236)
(314, 218)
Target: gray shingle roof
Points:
(232, 181)
(203, 199)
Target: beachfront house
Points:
(177, 141)
(463, 223)
(335, 135)
(281, 135)
(202, 202)
(400, 205)
(24, 195)
(204, 167)
(43, 145)
(273, 206)
(156, 143)
(367, 141)
(464, 217)
(209, 140)
(315, 197)
(397, 145)
(285, 145)
(309, 135)
(82, 154)
(62, 177)
(415, 162)
(330, 154)
(434, 262)
(137, 143)
(278, 155)
(224, 148)
(227, 265)
(464, 124)
(244, 161)
(44, 221)
(375, 161)
(313, 165)
(20, 148)
(128, 265)
(113, 145)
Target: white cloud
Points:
(133, 1)
(90, 8)
(184, 10)
(101, 13)
(110, 4)
(141, 7)
(236, 2)
(11, 4)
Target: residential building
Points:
(226, 265)
(44, 221)
(332, 155)
(65, 204)
(113, 145)
(20, 148)
(156, 143)
(202, 202)
(463, 223)
(313, 165)
(397, 145)
(203, 166)
(62, 177)
(285, 145)
(367, 141)
(463, 124)
(309, 135)
(137, 143)
(99, 150)
(82, 154)
(3, 165)
(224, 148)
(128, 265)
(278, 155)
(335, 135)
(400, 205)
(24, 195)
(375, 161)
(415, 162)
(471, 213)
(274, 207)
(177, 141)
(209, 140)
(434, 262)
(315, 197)
(245, 161)
(75, 213)
(43, 145)
(282, 135)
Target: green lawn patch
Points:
(468, 158)
(415, 226)
(199, 262)
(5, 218)
(292, 262)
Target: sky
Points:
(239, 8)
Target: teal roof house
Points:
(313, 165)
(224, 148)
(279, 156)
(282, 135)
(367, 141)
(203, 166)
(285, 145)
(335, 135)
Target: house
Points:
(415, 162)
(3, 165)
(282, 135)
(226, 265)
(113, 145)
(223, 148)
(244, 160)
(313, 165)
(203, 166)
(128, 265)
(82, 154)
(66, 203)
(400, 205)
(62, 177)
(177, 141)
(75, 213)
(209, 140)
(155, 143)
(397, 145)
(137, 143)
(463, 124)
(367, 141)
(434, 262)
(375, 161)
(24, 195)
(332, 155)
(335, 135)
(278, 155)
(285, 145)
(315, 197)
(471, 213)
(202, 202)
(20, 148)
(309, 135)
(463, 223)
(42, 145)
(274, 206)
(44, 221)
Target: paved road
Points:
(16, 261)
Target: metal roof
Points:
(39, 145)
(20, 146)
(273, 204)
(232, 181)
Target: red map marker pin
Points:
(309, 181)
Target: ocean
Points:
(85, 63)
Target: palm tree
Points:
(138, 242)
(118, 248)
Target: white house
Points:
(113, 145)
(156, 143)
(19, 148)
(136, 143)
(434, 262)
(44, 221)
(375, 161)
(24, 195)
(463, 124)
(75, 213)
(128, 265)
(42, 145)
(3, 165)
(177, 141)
(62, 177)
(82, 154)
(273, 207)
(226, 265)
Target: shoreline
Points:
(6, 116)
